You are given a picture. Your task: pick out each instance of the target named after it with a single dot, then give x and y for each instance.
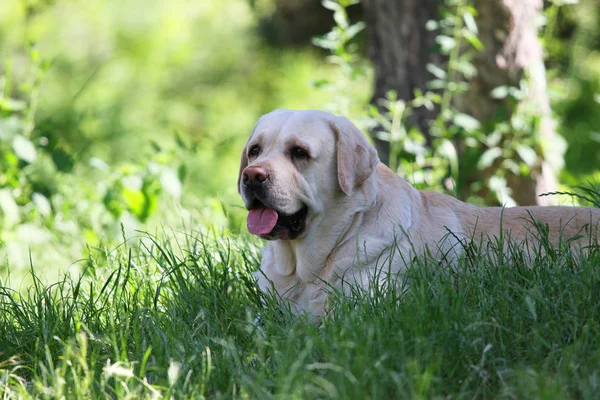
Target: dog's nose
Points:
(255, 176)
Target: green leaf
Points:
(470, 23)
(180, 142)
(12, 105)
(354, 29)
(170, 182)
(446, 43)
(467, 69)
(373, 111)
(340, 18)
(473, 40)
(447, 149)
(527, 154)
(320, 83)
(64, 161)
(436, 71)
(9, 209)
(113, 200)
(499, 92)
(331, 5)
(467, 122)
(155, 146)
(151, 190)
(99, 163)
(435, 84)
(11, 159)
(512, 166)
(135, 201)
(324, 43)
(9, 127)
(432, 25)
(24, 149)
(42, 204)
(182, 172)
(488, 157)
(499, 186)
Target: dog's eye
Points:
(299, 152)
(254, 151)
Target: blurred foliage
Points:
(345, 54)
(126, 72)
(572, 43)
(125, 115)
(46, 199)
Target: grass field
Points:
(182, 318)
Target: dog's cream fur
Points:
(359, 209)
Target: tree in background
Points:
(478, 67)
(401, 47)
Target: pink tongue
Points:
(261, 221)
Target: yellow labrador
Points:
(315, 188)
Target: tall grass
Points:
(183, 318)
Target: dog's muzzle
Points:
(270, 224)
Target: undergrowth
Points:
(182, 318)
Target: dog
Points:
(315, 189)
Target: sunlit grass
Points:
(182, 317)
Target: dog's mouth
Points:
(271, 225)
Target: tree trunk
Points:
(400, 47)
(507, 29)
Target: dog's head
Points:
(295, 165)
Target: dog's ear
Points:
(357, 159)
(243, 165)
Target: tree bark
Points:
(508, 31)
(400, 47)
(296, 22)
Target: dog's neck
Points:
(315, 256)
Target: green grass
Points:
(183, 318)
